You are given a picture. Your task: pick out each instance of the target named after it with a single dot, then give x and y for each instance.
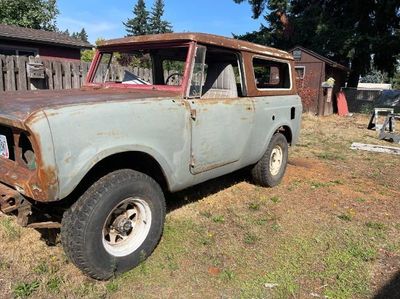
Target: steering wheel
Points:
(172, 75)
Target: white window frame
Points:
(300, 67)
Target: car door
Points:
(221, 129)
(221, 120)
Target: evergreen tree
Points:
(139, 24)
(83, 35)
(157, 25)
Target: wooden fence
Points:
(14, 74)
(57, 74)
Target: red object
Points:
(343, 110)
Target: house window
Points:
(297, 54)
(271, 74)
(300, 70)
(17, 51)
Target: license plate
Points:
(4, 147)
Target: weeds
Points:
(23, 289)
(218, 219)
(227, 275)
(331, 156)
(375, 225)
(42, 268)
(254, 206)
(54, 284)
(275, 199)
(112, 286)
(345, 217)
(11, 231)
(250, 239)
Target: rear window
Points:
(271, 74)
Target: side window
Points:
(217, 74)
(271, 74)
(197, 77)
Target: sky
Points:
(103, 18)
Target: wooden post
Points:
(10, 79)
(22, 78)
(58, 84)
(66, 70)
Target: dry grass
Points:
(330, 229)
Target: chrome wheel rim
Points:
(275, 161)
(126, 227)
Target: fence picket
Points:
(58, 74)
(67, 78)
(10, 79)
(58, 82)
(22, 79)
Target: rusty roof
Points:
(202, 38)
(17, 33)
(320, 57)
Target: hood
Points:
(17, 107)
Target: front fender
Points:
(70, 177)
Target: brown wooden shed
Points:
(312, 70)
(19, 41)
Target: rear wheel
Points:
(115, 224)
(271, 168)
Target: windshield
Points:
(161, 66)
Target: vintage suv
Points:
(157, 114)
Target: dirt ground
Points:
(330, 230)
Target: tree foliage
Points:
(139, 24)
(87, 55)
(36, 14)
(350, 32)
(157, 24)
(82, 35)
(147, 23)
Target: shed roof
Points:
(17, 33)
(320, 57)
(203, 38)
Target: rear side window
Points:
(271, 74)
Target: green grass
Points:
(54, 284)
(316, 185)
(24, 289)
(11, 230)
(218, 219)
(275, 199)
(254, 206)
(338, 259)
(345, 217)
(41, 268)
(331, 156)
(250, 239)
(112, 286)
(375, 225)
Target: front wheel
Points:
(269, 171)
(115, 224)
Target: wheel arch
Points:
(286, 131)
(141, 161)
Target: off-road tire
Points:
(261, 172)
(82, 224)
